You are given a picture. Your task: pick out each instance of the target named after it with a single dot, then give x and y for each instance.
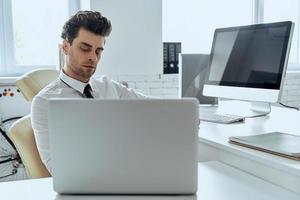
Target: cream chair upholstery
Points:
(21, 132)
(32, 82)
(22, 136)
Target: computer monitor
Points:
(249, 62)
(193, 70)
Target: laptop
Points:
(124, 146)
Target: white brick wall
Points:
(166, 86)
(291, 89)
(163, 86)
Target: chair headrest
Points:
(34, 81)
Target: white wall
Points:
(12, 106)
(135, 44)
(166, 86)
(163, 86)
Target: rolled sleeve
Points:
(127, 93)
(39, 121)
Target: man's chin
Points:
(89, 73)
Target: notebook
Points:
(277, 143)
(124, 146)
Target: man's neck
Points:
(74, 76)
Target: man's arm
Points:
(127, 93)
(39, 121)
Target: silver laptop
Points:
(124, 146)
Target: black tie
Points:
(88, 91)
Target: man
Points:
(84, 37)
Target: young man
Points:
(84, 37)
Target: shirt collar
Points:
(73, 83)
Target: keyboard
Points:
(221, 118)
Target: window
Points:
(192, 22)
(285, 11)
(30, 30)
(30, 33)
(47, 21)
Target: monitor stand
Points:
(243, 108)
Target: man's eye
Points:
(84, 49)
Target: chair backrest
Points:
(32, 82)
(22, 136)
(21, 132)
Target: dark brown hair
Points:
(90, 20)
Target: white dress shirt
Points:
(67, 87)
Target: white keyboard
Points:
(220, 118)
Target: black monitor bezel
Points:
(287, 24)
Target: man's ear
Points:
(65, 47)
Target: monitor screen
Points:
(252, 56)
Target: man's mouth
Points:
(88, 66)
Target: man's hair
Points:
(89, 20)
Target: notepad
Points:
(277, 143)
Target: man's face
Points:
(83, 55)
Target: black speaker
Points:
(171, 53)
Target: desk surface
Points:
(215, 181)
(280, 119)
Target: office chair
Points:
(22, 136)
(21, 132)
(32, 82)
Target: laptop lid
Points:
(124, 146)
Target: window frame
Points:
(258, 13)
(6, 36)
(7, 51)
(8, 67)
(259, 18)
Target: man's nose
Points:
(93, 57)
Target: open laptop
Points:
(124, 146)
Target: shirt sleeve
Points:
(127, 93)
(39, 121)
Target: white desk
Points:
(214, 145)
(215, 181)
